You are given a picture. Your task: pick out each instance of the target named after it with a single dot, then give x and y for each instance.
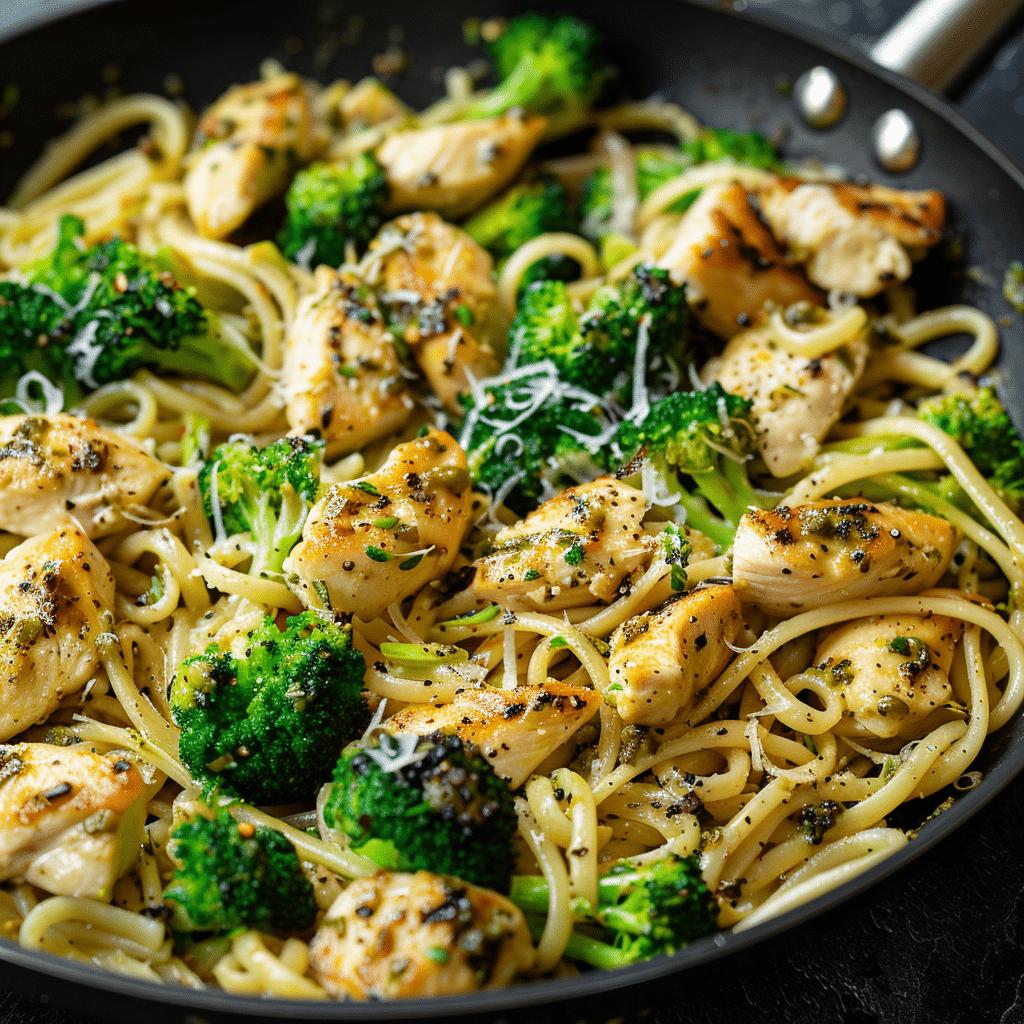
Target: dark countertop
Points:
(941, 942)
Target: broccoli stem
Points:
(518, 90)
(700, 517)
(207, 355)
(583, 948)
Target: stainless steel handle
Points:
(936, 40)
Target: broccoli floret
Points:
(644, 315)
(234, 875)
(641, 912)
(268, 724)
(521, 213)
(123, 310)
(750, 148)
(266, 492)
(983, 428)
(331, 206)
(708, 435)
(531, 432)
(551, 65)
(425, 804)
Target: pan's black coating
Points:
(727, 71)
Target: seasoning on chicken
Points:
(70, 819)
(730, 263)
(514, 729)
(51, 466)
(375, 541)
(342, 377)
(56, 596)
(253, 139)
(794, 559)
(443, 302)
(575, 549)
(796, 399)
(852, 238)
(660, 659)
(397, 936)
(892, 670)
(454, 168)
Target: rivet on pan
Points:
(820, 97)
(897, 144)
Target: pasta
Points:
(649, 679)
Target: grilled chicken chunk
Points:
(576, 548)
(375, 541)
(370, 103)
(796, 399)
(514, 729)
(56, 595)
(342, 377)
(70, 819)
(396, 936)
(439, 286)
(53, 465)
(729, 262)
(453, 168)
(852, 238)
(660, 659)
(253, 140)
(892, 670)
(794, 559)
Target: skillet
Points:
(727, 71)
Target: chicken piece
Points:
(660, 659)
(253, 140)
(342, 377)
(892, 670)
(56, 595)
(575, 549)
(454, 168)
(375, 541)
(370, 103)
(794, 559)
(514, 729)
(53, 465)
(440, 289)
(70, 819)
(852, 238)
(796, 399)
(730, 263)
(396, 935)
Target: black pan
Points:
(727, 70)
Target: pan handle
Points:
(936, 40)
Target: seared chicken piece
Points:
(369, 103)
(514, 729)
(892, 670)
(853, 238)
(253, 140)
(53, 465)
(730, 263)
(397, 936)
(453, 168)
(439, 286)
(660, 659)
(70, 819)
(794, 559)
(342, 377)
(56, 595)
(575, 549)
(796, 399)
(377, 540)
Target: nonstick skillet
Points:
(729, 72)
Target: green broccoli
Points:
(120, 310)
(645, 316)
(267, 724)
(642, 911)
(233, 875)
(331, 206)
(425, 804)
(266, 492)
(708, 435)
(548, 64)
(750, 148)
